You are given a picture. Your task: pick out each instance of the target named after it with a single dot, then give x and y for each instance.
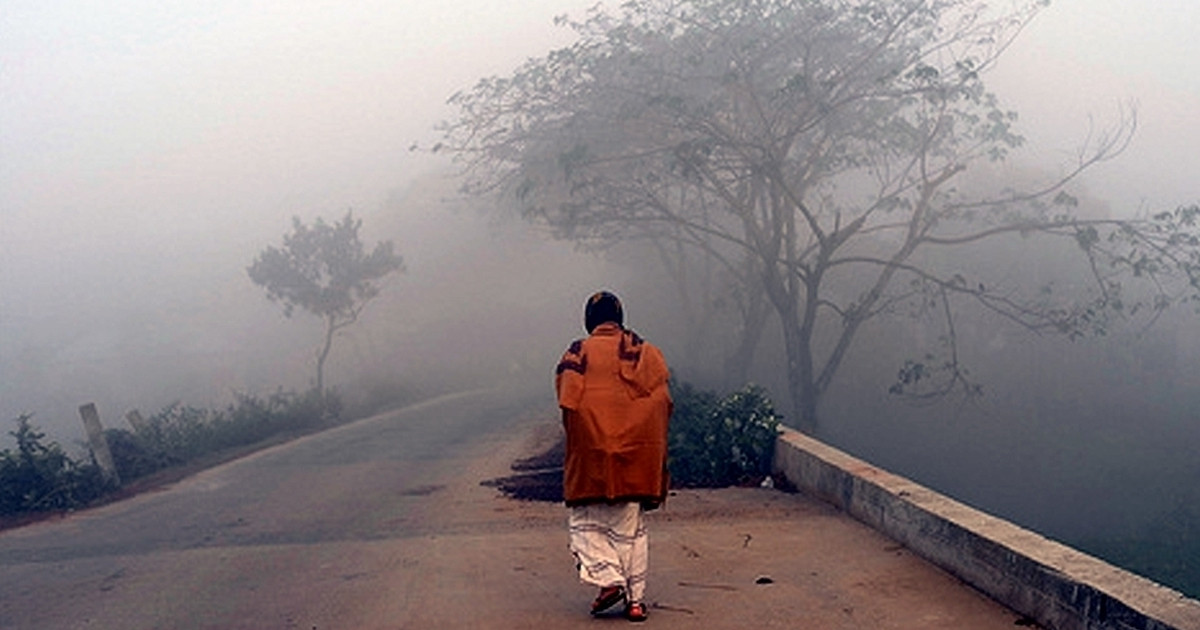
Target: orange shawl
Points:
(612, 388)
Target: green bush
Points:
(39, 476)
(716, 442)
(180, 433)
(132, 455)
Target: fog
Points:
(149, 150)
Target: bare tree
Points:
(811, 148)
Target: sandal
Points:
(608, 597)
(636, 611)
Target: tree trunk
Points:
(754, 320)
(330, 326)
(801, 379)
(805, 407)
(797, 342)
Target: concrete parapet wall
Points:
(1058, 587)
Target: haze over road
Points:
(279, 539)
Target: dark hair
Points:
(602, 307)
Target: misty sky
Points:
(158, 143)
(167, 119)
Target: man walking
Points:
(612, 389)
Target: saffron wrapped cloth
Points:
(612, 388)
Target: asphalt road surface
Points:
(384, 524)
(280, 539)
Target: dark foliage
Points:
(180, 433)
(40, 477)
(716, 442)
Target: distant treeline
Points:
(39, 476)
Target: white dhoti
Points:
(610, 546)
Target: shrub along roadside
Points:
(39, 477)
(180, 434)
(716, 442)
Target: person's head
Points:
(600, 308)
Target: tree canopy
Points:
(324, 269)
(815, 151)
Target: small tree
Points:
(324, 270)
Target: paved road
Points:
(383, 524)
(258, 543)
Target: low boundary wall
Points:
(1056, 586)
